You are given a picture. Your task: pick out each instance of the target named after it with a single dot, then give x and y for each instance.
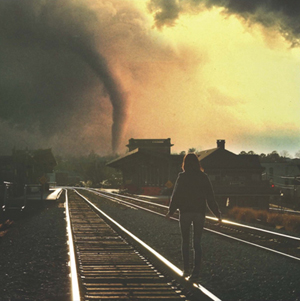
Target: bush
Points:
(275, 219)
(262, 216)
(243, 214)
(233, 212)
(289, 222)
(292, 223)
(249, 215)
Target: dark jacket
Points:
(192, 193)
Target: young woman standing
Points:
(192, 193)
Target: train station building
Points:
(149, 168)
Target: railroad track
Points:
(113, 264)
(281, 244)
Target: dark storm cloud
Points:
(283, 15)
(168, 11)
(48, 65)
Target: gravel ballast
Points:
(231, 270)
(34, 258)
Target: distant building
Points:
(237, 179)
(64, 178)
(285, 176)
(26, 167)
(150, 168)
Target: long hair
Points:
(191, 163)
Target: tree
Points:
(92, 167)
(297, 155)
(285, 154)
(192, 150)
(262, 156)
(249, 153)
(273, 157)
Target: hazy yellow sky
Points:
(87, 75)
(222, 79)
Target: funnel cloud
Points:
(84, 75)
(50, 64)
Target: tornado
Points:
(113, 87)
(58, 28)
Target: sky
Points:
(87, 75)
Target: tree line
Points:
(93, 170)
(274, 156)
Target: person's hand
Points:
(168, 216)
(219, 222)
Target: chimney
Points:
(221, 144)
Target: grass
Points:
(290, 223)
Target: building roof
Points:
(157, 145)
(141, 153)
(117, 162)
(203, 154)
(149, 142)
(221, 158)
(215, 158)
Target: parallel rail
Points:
(279, 243)
(110, 267)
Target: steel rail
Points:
(255, 245)
(202, 290)
(72, 263)
(132, 198)
(212, 218)
(292, 212)
(257, 229)
(213, 231)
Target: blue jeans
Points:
(186, 220)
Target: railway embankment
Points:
(34, 255)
